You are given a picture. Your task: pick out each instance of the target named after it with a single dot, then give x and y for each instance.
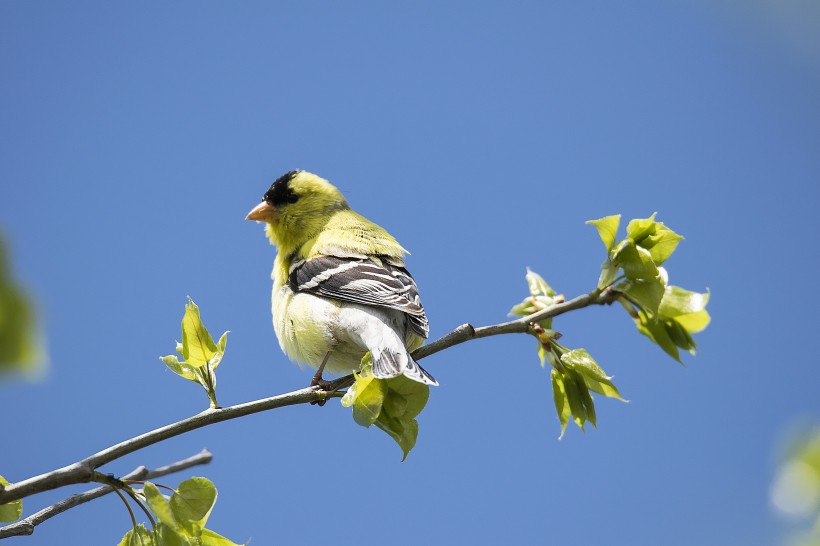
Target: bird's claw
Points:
(318, 381)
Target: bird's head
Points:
(296, 207)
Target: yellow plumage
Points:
(339, 283)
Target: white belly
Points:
(309, 327)
(307, 331)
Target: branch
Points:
(27, 526)
(523, 325)
(83, 471)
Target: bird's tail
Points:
(388, 364)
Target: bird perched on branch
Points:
(340, 288)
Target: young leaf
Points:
(390, 404)
(198, 347)
(537, 285)
(20, 350)
(677, 302)
(209, 538)
(680, 336)
(559, 396)
(526, 307)
(169, 537)
(646, 293)
(159, 506)
(636, 261)
(656, 331)
(368, 399)
(542, 354)
(593, 375)
(192, 503)
(179, 368)
(656, 238)
(11, 511)
(639, 229)
(221, 346)
(201, 355)
(694, 322)
(576, 400)
(403, 431)
(349, 397)
(586, 398)
(139, 536)
(405, 398)
(662, 243)
(607, 229)
(404, 401)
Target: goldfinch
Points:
(340, 288)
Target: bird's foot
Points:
(319, 381)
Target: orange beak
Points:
(262, 212)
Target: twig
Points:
(26, 526)
(523, 325)
(83, 471)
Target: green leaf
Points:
(677, 301)
(11, 511)
(559, 396)
(198, 347)
(159, 506)
(533, 304)
(576, 400)
(646, 293)
(687, 309)
(542, 354)
(179, 368)
(636, 261)
(694, 322)
(662, 243)
(592, 374)
(537, 285)
(139, 536)
(209, 538)
(405, 398)
(221, 346)
(349, 397)
(369, 397)
(656, 331)
(192, 503)
(201, 355)
(607, 229)
(526, 307)
(639, 229)
(655, 237)
(404, 432)
(586, 398)
(169, 537)
(390, 404)
(679, 336)
(20, 350)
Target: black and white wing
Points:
(359, 280)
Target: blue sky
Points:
(135, 138)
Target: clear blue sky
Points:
(136, 136)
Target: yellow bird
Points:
(340, 287)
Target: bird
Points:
(340, 285)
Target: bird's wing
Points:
(364, 281)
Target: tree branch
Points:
(83, 471)
(26, 526)
(523, 325)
